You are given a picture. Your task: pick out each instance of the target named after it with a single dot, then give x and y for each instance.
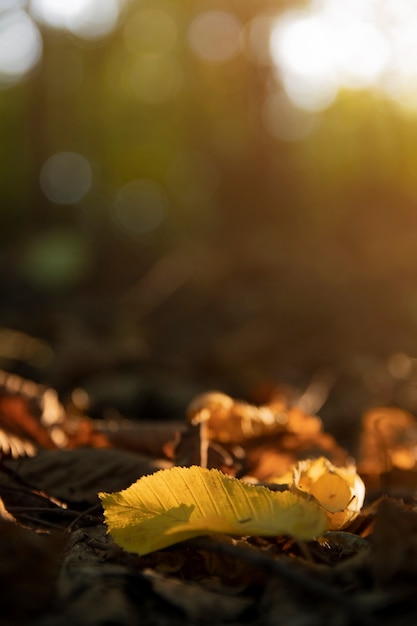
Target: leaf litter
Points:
(225, 562)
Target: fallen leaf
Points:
(180, 503)
(21, 430)
(273, 436)
(231, 421)
(33, 418)
(339, 490)
(394, 540)
(388, 440)
(77, 475)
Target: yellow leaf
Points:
(339, 490)
(184, 502)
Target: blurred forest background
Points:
(200, 194)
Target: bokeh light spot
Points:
(214, 36)
(303, 46)
(355, 45)
(311, 93)
(89, 19)
(154, 78)
(20, 47)
(57, 258)
(57, 13)
(152, 30)
(140, 207)
(400, 365)
(363, 55)
(257, 35)
(66, 177)
(303, 49)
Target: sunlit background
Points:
(222, 191)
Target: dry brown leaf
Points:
(273, 436)
(388, 440)
(145, 437)
(20, 421)
(32, 418)
(267, 459)
(394, 539)
(77, 475)
(231, 421)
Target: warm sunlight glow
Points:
(153, 78)
(302, 47)
(150, 30)
(364, 53)
(355, 45)
(256, 38)
(214, 36)
(303, 44)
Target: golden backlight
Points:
(347, 44)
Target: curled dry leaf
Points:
(32, 418)
(184, 502)
(339, 490)
(388, 440)
(232, 421)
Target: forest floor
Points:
(92, 407)
(60, 567)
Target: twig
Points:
(80, 516)
(40, 509)
(36, 520)
(25, 488)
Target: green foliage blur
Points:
(264, 257)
